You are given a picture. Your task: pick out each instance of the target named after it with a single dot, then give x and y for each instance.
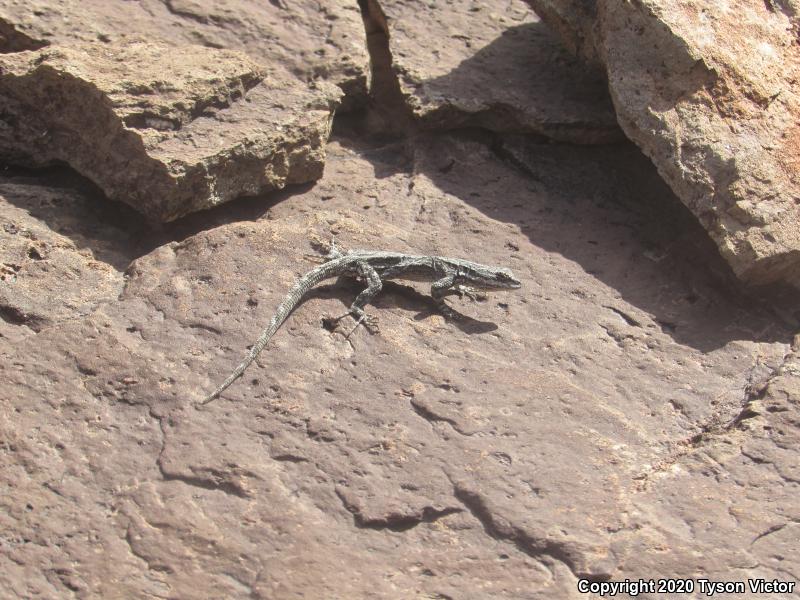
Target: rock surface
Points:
(469, 64)
(551, 435)
(630, 412)
(59, 258)
(166, 130)
(310, 39)
(714, 101)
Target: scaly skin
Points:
(448, 276)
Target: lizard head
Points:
(484, 277)
(504, 278)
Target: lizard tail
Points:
(251, 356)
(294, 296)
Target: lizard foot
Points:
(470, 292)
(326, 251)
(333, 250)
(361, 318)
(368, 321)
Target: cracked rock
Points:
(491, 65)
(713, 98)
(629, 412)
(166, 130)
(313, 40)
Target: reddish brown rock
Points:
(57, 262)
(628, 413)
(624, 414)
(468, 64)
(314, 41)
(166, 130)
(710, 93)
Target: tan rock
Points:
(312, 40)
(55, 263)
(167, 130)
(593, 423)
(468, 64)
(710, 93)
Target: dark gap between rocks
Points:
(389, 106)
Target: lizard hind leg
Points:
(374, 286)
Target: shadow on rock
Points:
(607, 209)
(73, 207)
(114, 232)
(396, 296)
(524, 82)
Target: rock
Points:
(168, 131)
(630, 412)
(598, 422)
(709, 483)
(314, 41)
(468, 64)
(56, 263)
(713, 101)
(573, 21)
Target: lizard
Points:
(447, 276)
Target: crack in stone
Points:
(13, 315)
(759, 460)
(166, 569)
(716, 429)
(205, 483)
(385, 82)
(774, 529)
(397, 522)
(248, 588)
(427, 414)
(507, 532)
(215, 482)
(202, 327)
(624, 316)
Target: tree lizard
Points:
(448, 276)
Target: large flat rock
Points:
(468, 64)
(710, 93)
(166, 130)
(628, 413)
(312, 40)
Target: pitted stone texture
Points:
(313, 40)
(710, 92)
(166, 130)
(53, 273)
(599, 421)
(744, 472)
(469, 63)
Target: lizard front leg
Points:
(466, 291)
(440, 289)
